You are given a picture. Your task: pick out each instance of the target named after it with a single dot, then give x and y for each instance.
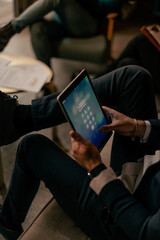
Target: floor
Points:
(20, 44)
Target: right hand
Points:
(122, 124)
(84, 152)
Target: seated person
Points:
(75, 18)
(103, 205)
(142, 52)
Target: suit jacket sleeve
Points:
(129, 214)
(154, 137)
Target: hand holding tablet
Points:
(83, 110)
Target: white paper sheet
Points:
(27, 77)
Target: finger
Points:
(108, 110)
(73, 136)
(77, 137)
(107, 128)
(72, 132)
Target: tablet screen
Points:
(84, 112)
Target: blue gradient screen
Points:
(85, 113)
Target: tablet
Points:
(83, 111)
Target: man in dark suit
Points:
(119, 202)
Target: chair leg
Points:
(51, 87)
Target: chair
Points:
(95, 49)
(93, 53)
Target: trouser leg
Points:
(45, 38)
(141, 52)
(147, 56)
(34, 13)
(38, 158)
(76, 19)
(150, 60)
(128, 89)
(131, 51)
(21, 191)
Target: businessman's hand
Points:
(85, 153)
(122, 124)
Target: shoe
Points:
(8, 133)
(6, 32)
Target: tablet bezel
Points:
(66, 92)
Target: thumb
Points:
(107, 128)
(76, 137)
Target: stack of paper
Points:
(27, 77)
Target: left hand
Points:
(86, 154)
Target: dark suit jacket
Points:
(138, 215)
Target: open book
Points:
(152, 32)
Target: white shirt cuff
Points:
(147, 132)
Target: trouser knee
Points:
(28, 149)
(145, 79)
(138, 76)
(38, 28)
(130, 79)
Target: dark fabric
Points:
(23, 117)
(38, 158)
(123, 90)
(140, 51)
(128, 213)
(154, 138)
(138, 214)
